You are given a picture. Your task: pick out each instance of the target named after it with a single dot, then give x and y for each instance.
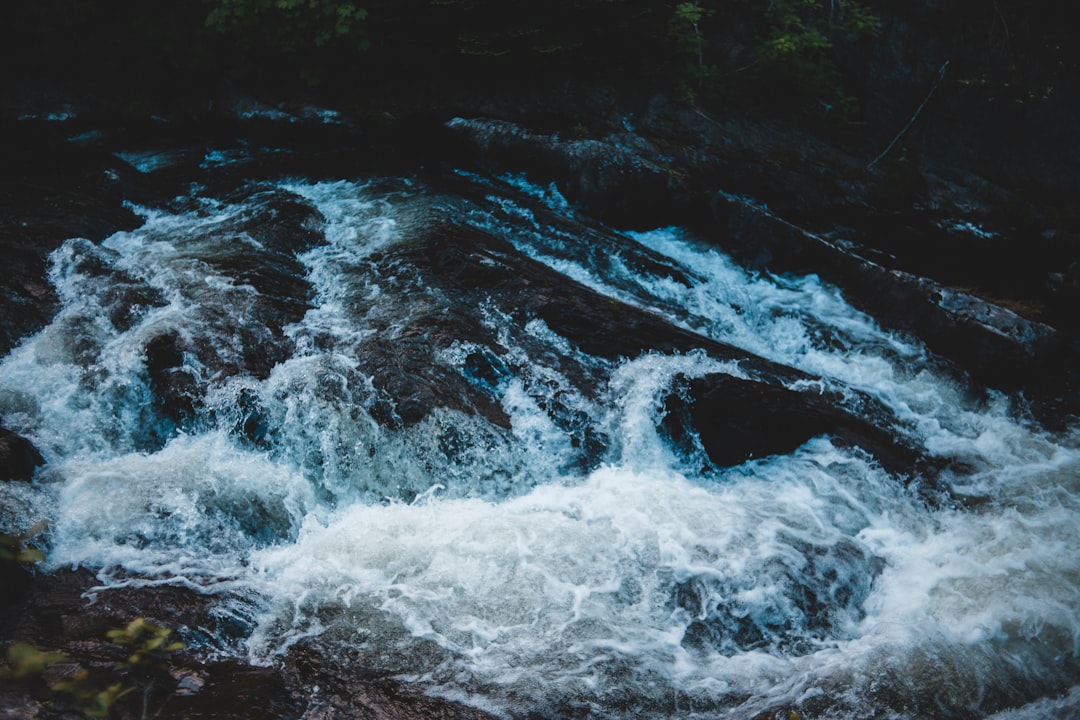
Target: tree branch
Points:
(911, 121)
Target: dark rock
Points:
(64, 612)
(229, 690)
(736, 420)
(1064, 288)
(253, 424)
(796, 172)
(15, 580)
(463, 267)
(620, 176)
(410, 380)
(175, 388)
(18, 457)
(349, 691)
(997, 346)
(470, 266)
(467, 268)
(49, 191)
(127, 303)
(411, 385)
(285, 225)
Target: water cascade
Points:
(369, 414)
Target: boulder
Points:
(178, 394)
(18, 457)
(737, 420)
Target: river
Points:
(539, 543)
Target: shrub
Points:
(291, 26)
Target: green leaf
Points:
(31, 556)
(26, 660)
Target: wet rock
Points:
(410, 380)
(460, 269)
(620, 175)
(257, 253)
(175, 388)
(261, 252)
(230, 690)
(127, 303)
(18, 457)
(64, 612)
(735, 420)
(50, 191)
(14, 582)
(465, 268)
(347, 691)
(285, 225)
(995, 345)
(471, 265)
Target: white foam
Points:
(194, 509)
(568, 587)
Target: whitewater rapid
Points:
(515, 568)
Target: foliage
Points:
(91, 696)
(686, 41)
(287, 39)
(789, 50)
(540, 34)
(149, 644)
(26, 661)
(291, 26)
(685, 30)
(94, 693)
(1016, 51)
(16, 548)
(88, 695)
(702, 50)
(797, 49)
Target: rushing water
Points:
(522, 568)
